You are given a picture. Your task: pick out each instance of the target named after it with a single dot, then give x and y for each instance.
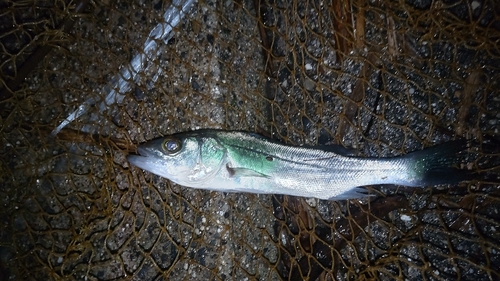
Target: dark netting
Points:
(382, 77)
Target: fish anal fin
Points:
(244, 172)
(355, 193)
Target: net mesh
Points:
(383, 77)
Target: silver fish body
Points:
(234, 161)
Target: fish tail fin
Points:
(439, 164)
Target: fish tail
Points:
(439, 164)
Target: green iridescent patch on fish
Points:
(244, 160)
(211, 152)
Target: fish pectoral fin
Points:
(244, 172)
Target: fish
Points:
(237, 161)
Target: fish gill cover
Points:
(383, 77)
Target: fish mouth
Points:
(143, 152)
(149, 160)
(143, 160)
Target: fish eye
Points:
(171, 145)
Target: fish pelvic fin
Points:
(354, 193)
(439, 164)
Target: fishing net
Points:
(382, 77)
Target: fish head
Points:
(187, 159)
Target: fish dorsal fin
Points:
(338, 149)
(244, 172)
(260, 137)
(335, 148)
